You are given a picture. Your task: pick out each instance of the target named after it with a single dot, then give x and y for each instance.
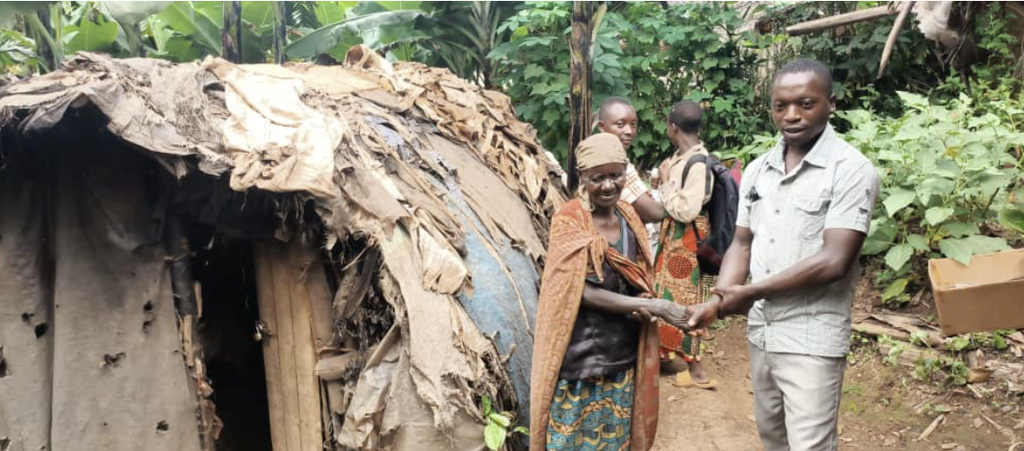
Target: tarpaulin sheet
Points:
(91, 349)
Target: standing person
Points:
(685, 187)
(617, 116)
(594, 379)
(805, 209)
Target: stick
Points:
(894, 34)
(839, 20)
(931, 428)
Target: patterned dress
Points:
(677, 278)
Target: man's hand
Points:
(702, 315)
(733, 296)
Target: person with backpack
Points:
(691, 181)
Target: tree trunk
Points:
(280, 32)
(580, 72)
(231, 34)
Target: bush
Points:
(946, 173)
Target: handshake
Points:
(693, 319)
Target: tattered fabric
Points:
(575, 250)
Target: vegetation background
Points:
(951, 158)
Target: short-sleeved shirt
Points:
(635, 187)
(834, 187)
(604, 343)
(684, 199)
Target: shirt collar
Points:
(818, 156)
(696, 148)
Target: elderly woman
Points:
(595, 357)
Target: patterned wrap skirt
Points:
(592, 414)
(677, 278)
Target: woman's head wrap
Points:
(600, 149)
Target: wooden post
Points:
(294, 303)
(580, 72)
(231, 34)
(187, 305)
(280, 31)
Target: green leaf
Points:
(331, 12)
(522, 430)
(132, 13)
(9, 11)
(501, 419)
(325, 38)
(936, 215)
(1012, 218)
(533, 71)
(494, 436)
(898, 256)
(486, 401)
(960, 229)
(981, 244)
(896, 288)
(911, 132)
(90, 36)
(898, 198)
(919, 242)
(260, 14)
(883, 231)
(957, 249)
(916, 101)
(182, 17)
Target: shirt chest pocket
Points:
(810, 216)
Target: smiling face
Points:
(620, 120)
(801, 106)
(604, 184)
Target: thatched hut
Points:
(220, 256)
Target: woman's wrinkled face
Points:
(604, 184)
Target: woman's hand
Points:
(672, 313)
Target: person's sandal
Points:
(683, 379)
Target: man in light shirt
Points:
(805, 208)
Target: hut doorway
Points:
(233, 353)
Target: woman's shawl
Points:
(575, 249)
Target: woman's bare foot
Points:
(697, 372)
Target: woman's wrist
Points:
(656, 307)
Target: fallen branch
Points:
(899, 327)
(894, 34)
(1004, 371)
(839, 20)
(932, 427)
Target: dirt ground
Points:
(882, 408)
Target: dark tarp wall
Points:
(87, 319)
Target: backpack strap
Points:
(698, 158)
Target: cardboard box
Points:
(985, 295)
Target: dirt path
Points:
(693, 419)
(882, 408)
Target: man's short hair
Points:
(608, 103)
(686, 115)
(803, 65)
